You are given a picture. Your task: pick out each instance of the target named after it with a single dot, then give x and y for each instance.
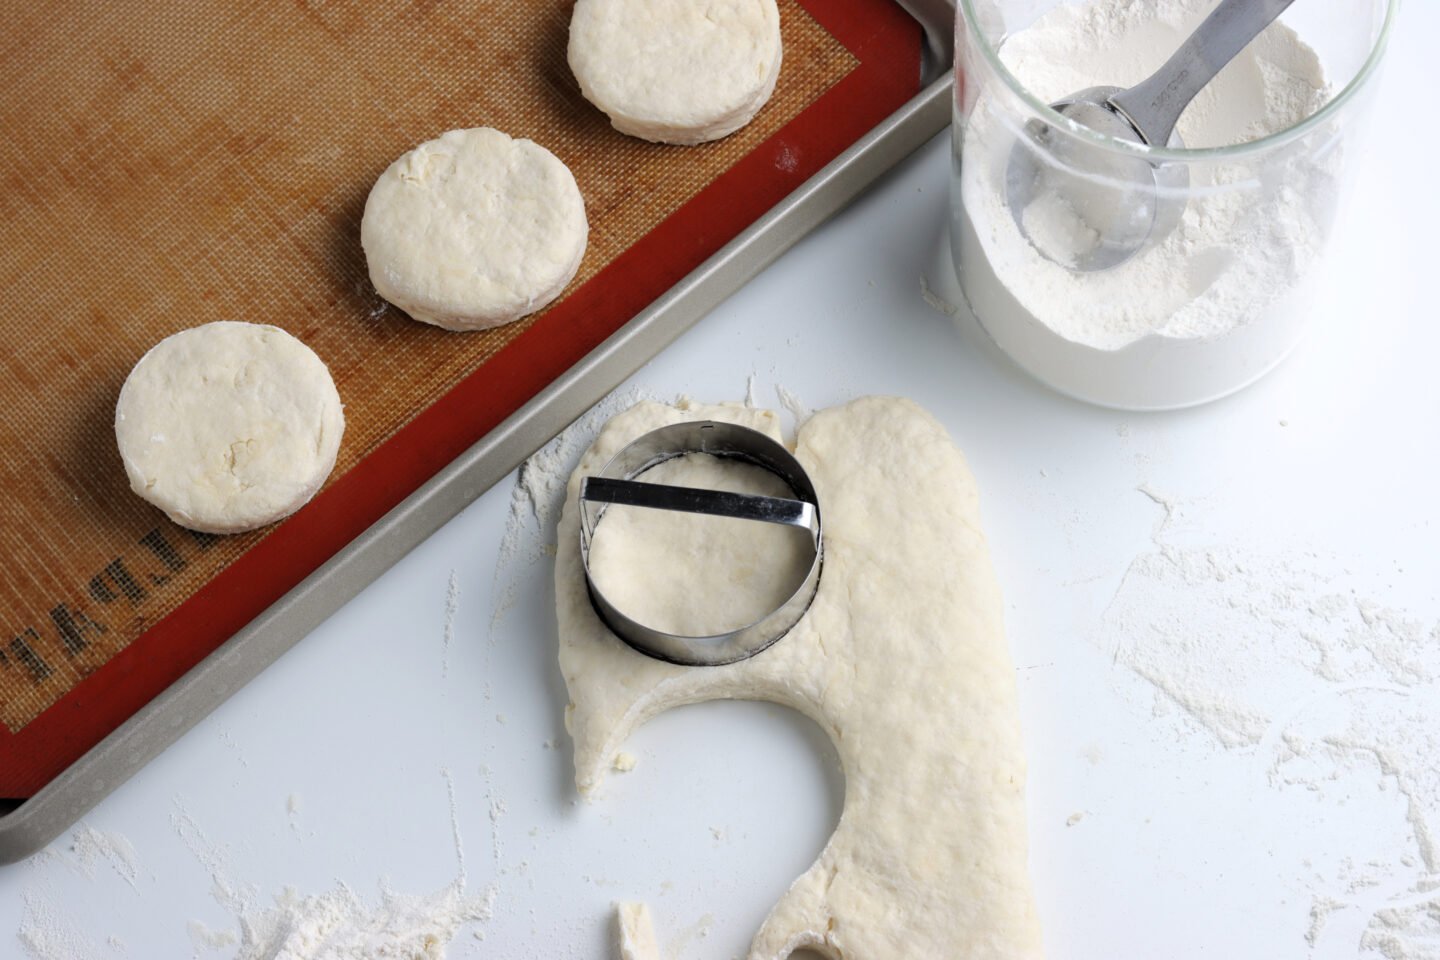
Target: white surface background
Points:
(1182, 850)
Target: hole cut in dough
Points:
(676, 71)
(901, 659)
(693, 574)
(474, 229)
(229, 426)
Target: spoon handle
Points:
(1154, 105)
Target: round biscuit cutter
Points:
(616, 484)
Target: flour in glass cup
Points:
(1218, 300)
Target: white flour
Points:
(341, 925)
(335, 925)
(1331, 694)
(452, 606)
(538, 495)
(1252, 230)
(47, 933)
(338, 924)
(93, 846)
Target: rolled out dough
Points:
(676, 71)
(901, 659)
(228, 426)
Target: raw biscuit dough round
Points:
(676, 71)
(229, 426)
(474, 229)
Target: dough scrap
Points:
(676, 71)
(901, 659)
(474, 229)
(636, 932)
(229, 426)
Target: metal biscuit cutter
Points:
(616, 484)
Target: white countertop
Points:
(1162, 822)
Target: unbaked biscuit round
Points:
(676, 71)
(229, 426)
(474, 229)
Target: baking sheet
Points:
(175, 167)
(349, 569)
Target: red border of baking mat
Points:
(884, 39)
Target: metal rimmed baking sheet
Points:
(456, 480)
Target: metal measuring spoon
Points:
(1089, 208)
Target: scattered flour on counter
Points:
(497, 808)
(230, 895)
(538, 495)
(543, 477)
(452, 605)
(455, 824)
(47, 933)
(1331, 693)
(792, 404)
(679, 944)
(937, 302)
(292, 813)
(1320, 910)
(1409, 932)
(204, 936)
(228, 738)
(93, 846)
(1165, 503)
(47, 928)
(338, 924)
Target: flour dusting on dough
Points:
(538, 495)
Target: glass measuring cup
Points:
(1220, 303)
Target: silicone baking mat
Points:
(165, 165)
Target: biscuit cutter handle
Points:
(718, 503)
